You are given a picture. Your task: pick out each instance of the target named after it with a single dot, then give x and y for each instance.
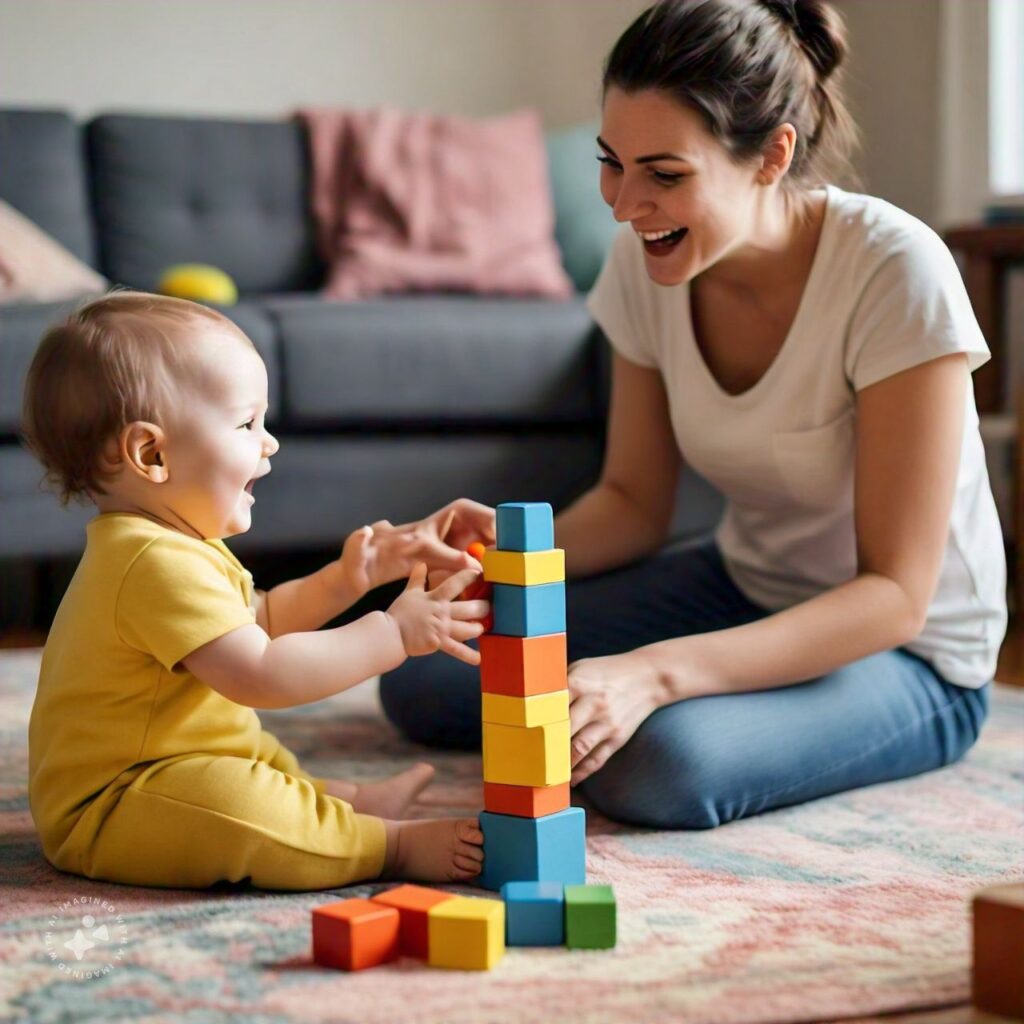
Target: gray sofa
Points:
(385, 408)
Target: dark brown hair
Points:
(108, 364)
(747, 66)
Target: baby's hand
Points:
(434, 620)
(377, 554)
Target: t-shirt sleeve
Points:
(176, 596)
(615, 302)
(913, 309)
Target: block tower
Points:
(531, 833)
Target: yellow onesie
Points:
(139, 772)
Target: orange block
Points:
(521, 666)
(480, 589)
(525, 801)
(354, 934)
(412, 903)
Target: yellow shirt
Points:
(113, 696)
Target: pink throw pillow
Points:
(35, 267)
(414, 202)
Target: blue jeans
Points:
(708, 760)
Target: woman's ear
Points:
(777, 155)
(142, 450)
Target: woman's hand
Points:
(381, 553)
(609, 698)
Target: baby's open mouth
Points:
(248, 486)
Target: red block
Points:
(354, 934)
(521, 666)
(413, 903)
(526, 801)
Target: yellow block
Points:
(524, 568)
(517, 756)
(465, 933)
(526, 712)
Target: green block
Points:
(589, 917)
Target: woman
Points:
(809, 351)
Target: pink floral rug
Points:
(852, 906)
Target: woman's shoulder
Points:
(878, 227)
(874, 237)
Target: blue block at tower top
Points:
(525, 526)
(528, 611)
(552, 848)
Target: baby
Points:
(147, 762)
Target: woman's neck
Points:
(777, 253)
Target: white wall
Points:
(268, 57)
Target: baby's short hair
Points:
(111, 362)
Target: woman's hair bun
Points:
(820, 32)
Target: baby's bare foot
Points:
(434, 850)
(392, 797)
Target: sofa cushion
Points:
(22, 326)
(35, 267)
(584, 225)
(42, 175)
(187, 190)
(428, 361)
(321, 488)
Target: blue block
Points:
(548, 849)
(528, 611)
(534, 913)
(525, 526)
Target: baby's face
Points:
(217, 444)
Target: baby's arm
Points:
(305, 603)
(249, 667)
(372, 556)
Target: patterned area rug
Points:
(852, 906)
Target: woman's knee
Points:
(660, 779)
(433, 702)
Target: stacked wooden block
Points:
(410, 920)
(534, 841)
(531, 833)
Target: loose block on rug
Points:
(854, 905)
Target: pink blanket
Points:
(411, 202)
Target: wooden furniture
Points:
(989, 252)
(997, 976)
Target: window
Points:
(1006, 97)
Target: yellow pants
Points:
(196, 820)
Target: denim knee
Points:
(431, 708)
(660, 779)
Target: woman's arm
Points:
(909, 436)
(626, 515)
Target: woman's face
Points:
(663, 171)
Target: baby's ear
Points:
(142, 450)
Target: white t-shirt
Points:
(884, 294)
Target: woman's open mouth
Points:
(664, 245)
